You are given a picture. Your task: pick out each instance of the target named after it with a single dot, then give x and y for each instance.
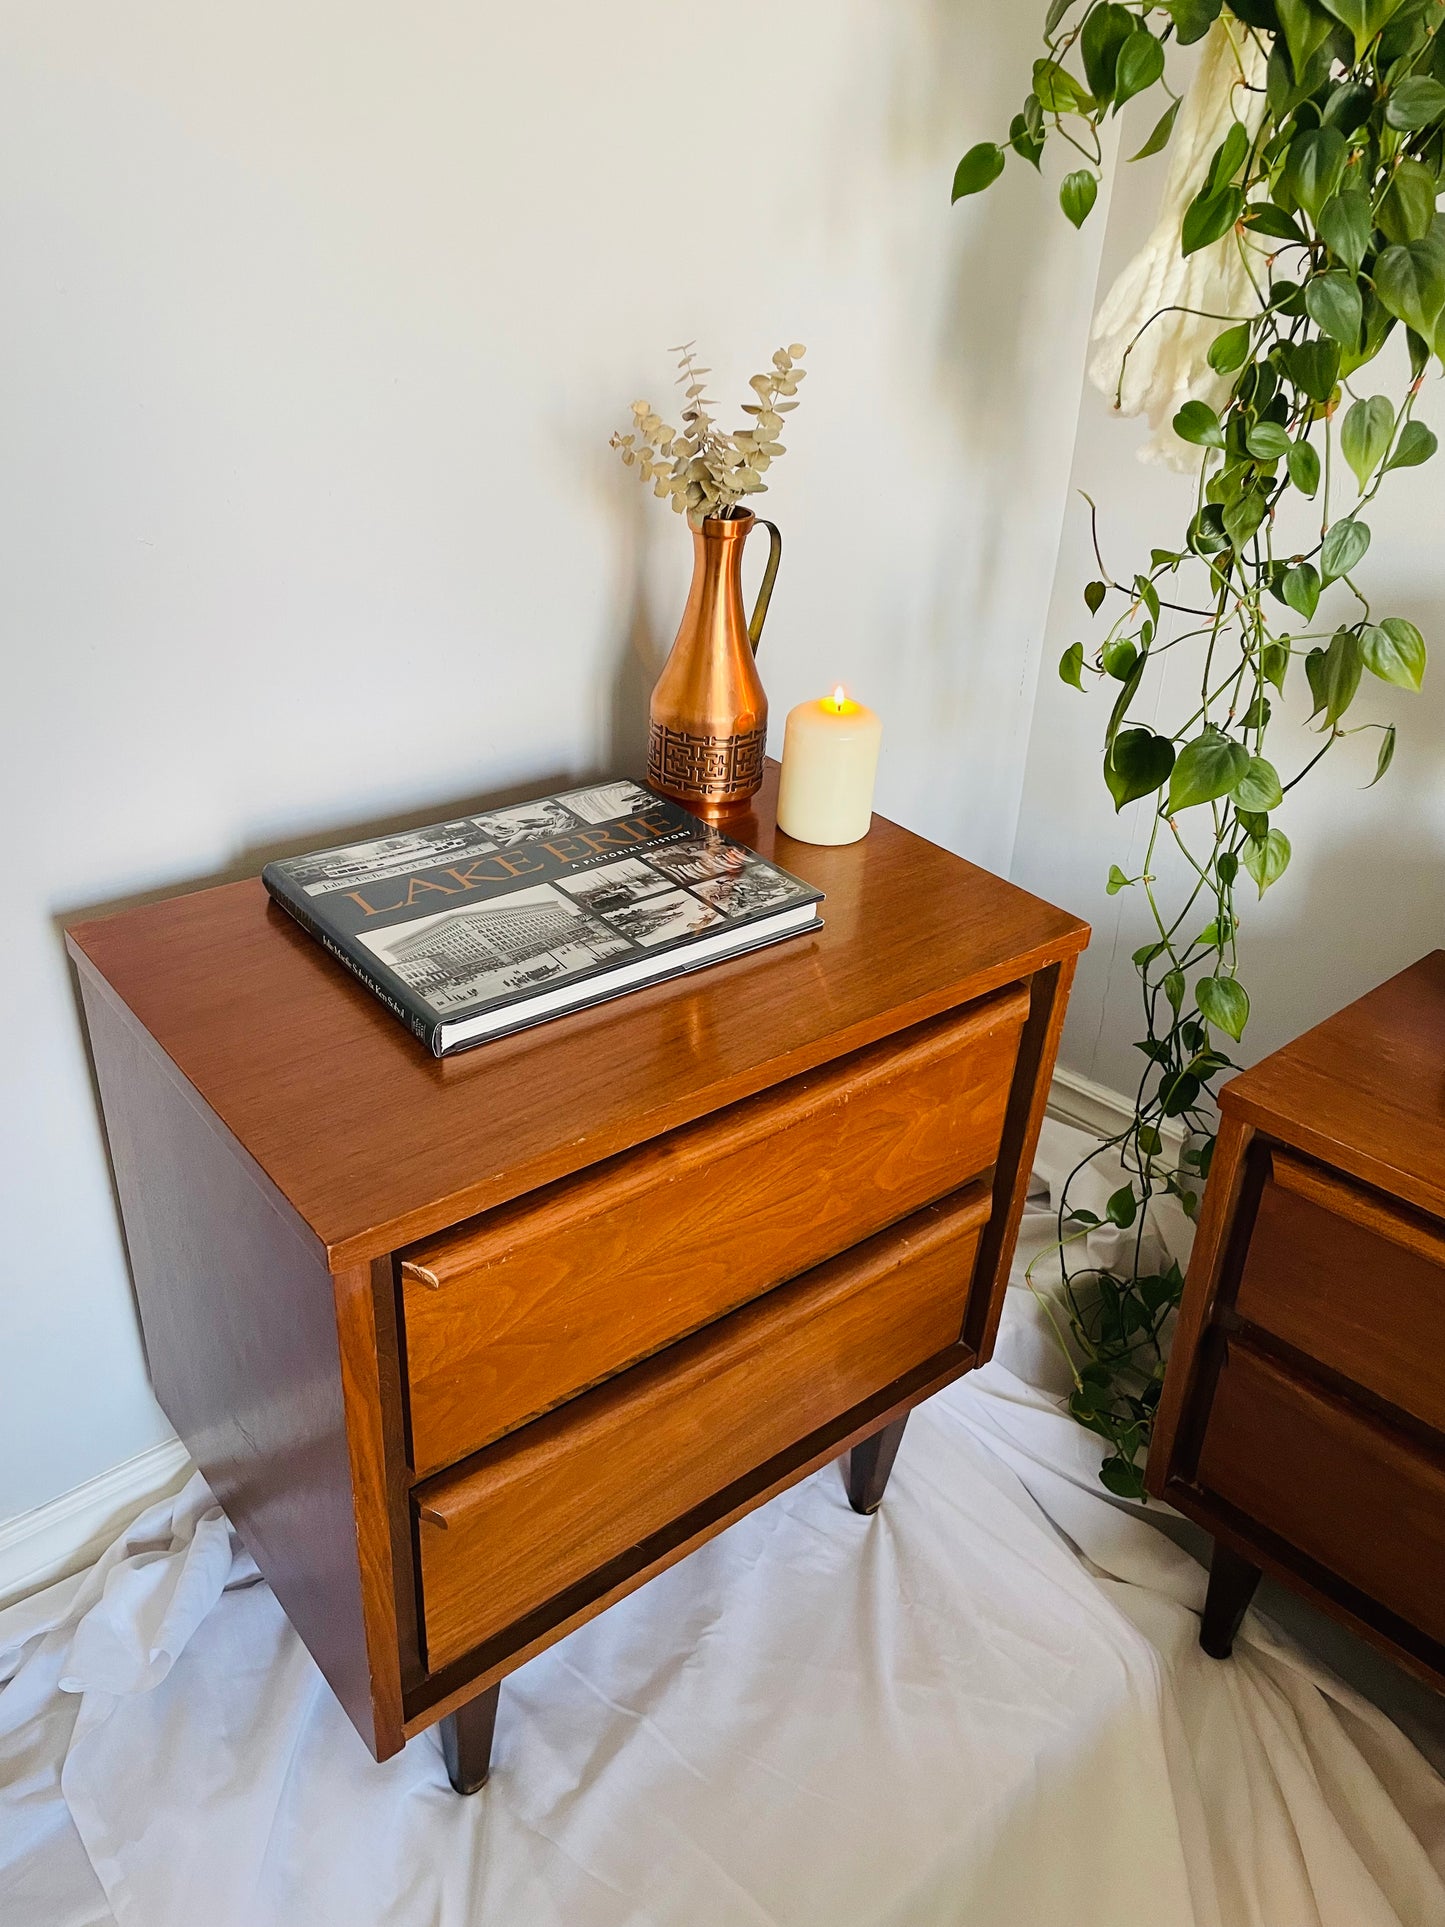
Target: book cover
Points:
(476, 927)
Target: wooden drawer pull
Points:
(420, 1274)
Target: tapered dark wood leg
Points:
(467, 1741)
(1232, 1581)
(869, 1464)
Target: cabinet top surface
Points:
(1364, 1090)
(374, 1142)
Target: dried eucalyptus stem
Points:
(702, 469)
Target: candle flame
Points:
(839, 696)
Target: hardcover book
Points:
(472, 929)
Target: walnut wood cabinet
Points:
(470, 1348)
(1303, 1416)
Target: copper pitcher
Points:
(709, 715)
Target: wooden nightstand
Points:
(469, 1349)
(1303, 1416)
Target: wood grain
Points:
(454, 1685)
(1353, 1283)
(241, 1339)
(1028, 1100)
(1345, 1490)
(551, 1503)
(1224, 1222)
(532, 1303)
(375, 1144)
(1364, 1091)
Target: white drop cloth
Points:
(985, 1706)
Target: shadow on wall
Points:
(1007, 290)
(1368, 894)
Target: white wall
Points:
(1365, 891)
(317, 318)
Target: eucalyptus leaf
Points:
(1365, 436)
(1394, 650)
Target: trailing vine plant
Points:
(1324, 190)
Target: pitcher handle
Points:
(770, 576)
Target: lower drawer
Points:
(550, 1504)
(1344, 1489)
(1351, 1279)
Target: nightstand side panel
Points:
(239, 1315)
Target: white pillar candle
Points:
(830, 757)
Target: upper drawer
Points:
(1348, 1492)
(511, 1314)
(1352, 1281)
(548, 1507)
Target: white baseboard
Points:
(54, 1540)
(1078, 1100)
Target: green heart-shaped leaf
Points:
(1334, 304)
(1417, 444)
(1197, 422)
(1268, 859)
(1344, 546)
(1207, 768)
(1077, 194)
(1394, 650)
(1139, 764)
(1345, 223)
(1258, 789)
(978, 169)
(1223, 1002)
(1302, 590)
(1365, 436)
